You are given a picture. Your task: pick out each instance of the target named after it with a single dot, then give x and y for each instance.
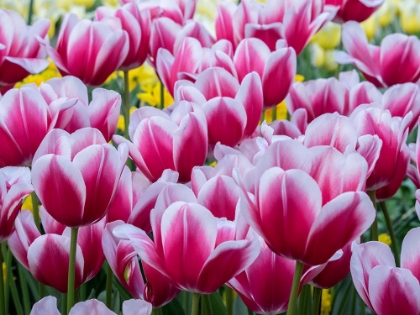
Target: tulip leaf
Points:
(174, 307)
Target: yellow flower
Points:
(49, 73)
(384, 238)
(151, 95)
(111, 3)
(326, 302)
(329, 36)
(121, 119)
(27, 204)
(85, 3)
(4, 272)
(370, 26)
(410, 17)
(317, 55)
(386, 13)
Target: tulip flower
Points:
(76, 179)
(137, 24)
(159, 141)
(276, 69)
(208, 243)
(101, 113)
(48, 306)
(232, 109)
(385, 288)
(89, 50)
(354, 10)
(122, 259)
(396, 60)
(15, 183)
(265, 285)
(180, 11)
(47, 256)
(291, 182)
(20, 52)
(25, 119)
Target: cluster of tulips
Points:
(203, 196)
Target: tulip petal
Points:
(214, 82)
(136, 307)
(91, 307)
(410, 252)
(46, 306)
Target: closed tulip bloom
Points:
(20, 53)
(385, 288)
(179, 11)
(396, 60)
(48, 306)
(47, 256)
(137, 24)
(15, 184)
(354, 10)
(89, 50)
(161, 141)
(266, 284)
(208, 243)
(86, 176)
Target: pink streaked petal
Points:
(48, 258)
(92, 307)
(364, 258)
(188, 230)
(31, 65)
(410, 252)
(279, 74)
(370, 147)
(195, 30)
(50, 225)
(214, 82)
(226, 119)
(164, 63)
(235, 256)
(61, 188)
(223, 21)
(348, 216)
(83, 138)
(268, 33)
(163, 35)
(136, 307)
(46, 306)
(283, 197)
(142, 113)
(122, 203)
(56, 142)
(250, 95)
(393, 290)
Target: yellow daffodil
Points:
(49, 73)
(329, 36)
(384, 238)
(326, 302)
(111, 3)
(85, 3)
(386, 13)
(370, 26)
(410, 17)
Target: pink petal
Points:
(163, 35)
(46, 306)
(410, 252)
(48, 258)
(56, 142)
(136, 307)
(223, 21)
(215, 82)
(61, 188)
(92, 307)
(121, 205)
(269, 34)
(50, 225)
(347, 216)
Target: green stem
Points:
(374, 228)
(2, 297)
(229, 300)
(30, 12)
(162, 95)
(304, 300)
(250, 312)
(15, 296)
(9, 275)
(109, 276)
(295, 288)
(157, 311)
(63, 303)
(24, 289)
(391, 231)
(35, 206)
(72, 268)
(195, 303)
(317, 300)
(274, 114)
(126, 102)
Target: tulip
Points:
(180, 11)
(25, 119)
(15, 183)
(122, 259)
(137, 24)
(354, 10)
(395, 61)
(385, 288)
(20, 52)
(276, 69)
(76, 178)
(88, 50)
(207, 245)
(159, 141)
(48, 306)
(232, 109)
(47, 256)
(291, 182)
(266, 284)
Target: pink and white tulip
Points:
(75, 178)
(354, 10)
(47, 256)
(161, 141)
(20, 52)
(89, 50)
(15, 184)
(48, 306)
(396, 60)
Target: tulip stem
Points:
(374, 228)
(295, 288)
(30, 12)
(72, 268)
(229, 300)
(24, 288)
(2, 298)
(126, 103)
(274, 114)
(35, 210)
(109, 276)
(162, 95)
(195, 303)
(388, 221)
(317, 300)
